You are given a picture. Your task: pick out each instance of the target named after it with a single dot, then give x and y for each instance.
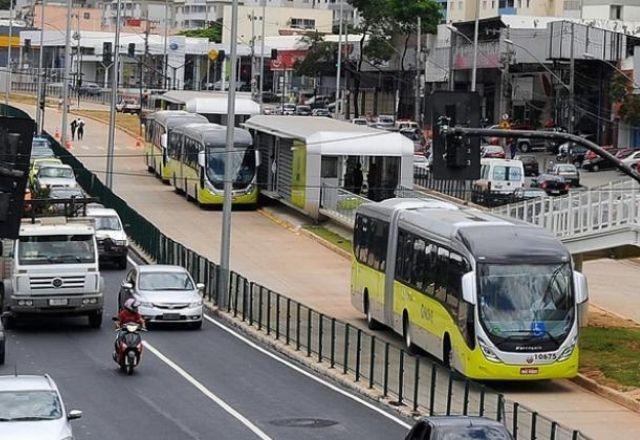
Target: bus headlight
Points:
(488, 351)
(568, 350)
(249, 189)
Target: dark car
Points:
(568, 171)
(66, 193)
(577, 154)
(551, 184)
(530, 164)
(458, 428)
(593, 162)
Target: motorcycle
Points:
(128, 346)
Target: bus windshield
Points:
(526, 303)
(243, 167)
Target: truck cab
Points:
(52, 269)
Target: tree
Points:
(212, 33)
(319, 53)
(621, 92)
(5, 5)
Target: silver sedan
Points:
(167, 294)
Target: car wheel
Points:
(595, 167)
(95, 319)
(2, 352)
(406, 334)
(524, 147)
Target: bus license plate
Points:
(527, 371)
(59, 302)
(171, 316)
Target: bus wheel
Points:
(371, 322)
(406, 334)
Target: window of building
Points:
(616, 12)
(506, 3)
(460, 5)
(484, 4)
(86, 15)
(303, 23)
(528, 3)
(519, 4)
(493, 4)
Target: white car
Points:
(167, 294)
(632, 160)
(113, 244)
(55, 175)
(31, 409)
(421, 161)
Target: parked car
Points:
(40, 147)
(320, 112)
(53, 175)
(406, 124)
(492, 152)
(31, 407)
(128, 106)
(530, 164)
(416, 136)
(526, 144)
(38, 162)
(623, 153)
(303, 110)
(568, 171)
(593, 162)
(552, 184)
(167, 294)
(360, 121)
(499, 178)
(66, 193)
(288, 109)
(421, 162)
(385, 122)
(113, 244)
(632, 159)
(577, 155)
(458, 428)
(90, 89)
(521, 194)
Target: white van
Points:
(499, 178)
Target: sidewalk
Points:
(300, 268)
(614, 285)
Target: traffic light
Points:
(106, 53)
(27, 46)
(16, 136)
(454, 157)
(274, 54)
(131, 50)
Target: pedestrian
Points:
(513, 148)
(60, 103)
(74, 126)
(357, 178)
(80, 128)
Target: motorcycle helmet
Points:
(132, 305)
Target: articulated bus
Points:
(196, 161)
(157, 127)
(492, 298)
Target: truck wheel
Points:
(2, 350)
(95, 319)
(122, 262)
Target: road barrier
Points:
(416, 382)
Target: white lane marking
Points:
(204, 390)
(301, 370)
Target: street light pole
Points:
(572, 74)
(7, 90)
(41, 99)
(67, 70)
(616, 68)
(225, 245)
(166, 37)
(114, 96)
(416, 113)
(474, 69)
(264, 11)
(337, 106)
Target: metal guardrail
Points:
(581, 213)
(414, 381)
(460, 189)
(340, 204)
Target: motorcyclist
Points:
(128, 314)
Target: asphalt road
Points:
(206, 384)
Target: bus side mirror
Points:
(163, 141)
(469, 287)
(257, 158)
(580, 284)
(201, 160)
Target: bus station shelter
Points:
(303, 156)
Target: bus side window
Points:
(363, 240)
(429, 274)
(441, 275)
(418, 269)
(407, 258)
(381, 245)
(454, 281)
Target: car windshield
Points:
(566, 169)
(65, 173)
(513, 174)
(473, 433)
(29, 405)
(39, 143)
(41, 151)
(165, 281)
(525, 301)
(56, 249)
(108, 223)
(243, 167)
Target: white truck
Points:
(52, 269)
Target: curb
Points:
(607, 392)
(279, 220)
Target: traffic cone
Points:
(68, 145)
(138, 142)
(57, 134)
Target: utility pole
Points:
(114, 96)
(253, 53)
(504, 80)
(337, 107)
(65, 82)
(8, 87)
(41, 98)
(474, 69)
(76, 37)
(572, 73)
(452, 48)
(166, 37)
(416, 116)
(264, 13)
(225, 246)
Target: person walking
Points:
(74, 126)
(80, 128)
(358, 178)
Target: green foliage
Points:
(613, 351)
(405, 14)
(320, 52)
(629, 103)
(619, 87)
(212, 33)
(5, 4)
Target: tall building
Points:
(464, 10)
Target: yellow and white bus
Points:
(157, 127)
(493, 298)
(196, 162)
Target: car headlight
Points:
(568, 350)
(145, 304)
(488, 351)
(195, 303)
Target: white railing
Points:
(340, 204)
(580, 213)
